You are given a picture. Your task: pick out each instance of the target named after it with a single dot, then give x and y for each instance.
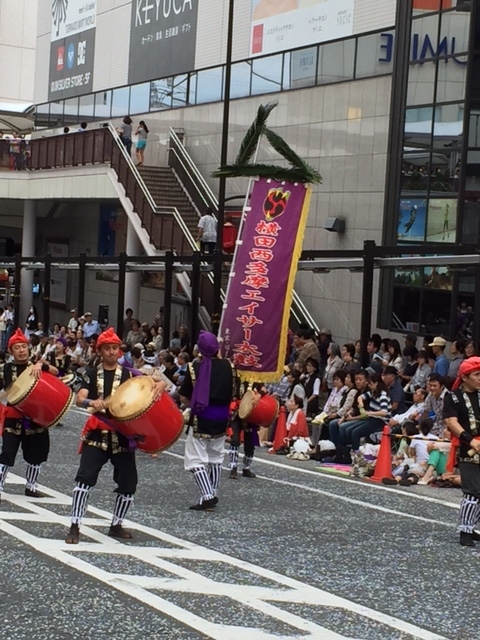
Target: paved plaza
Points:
(295, 553)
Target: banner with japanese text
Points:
(256, 312)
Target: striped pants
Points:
(81, 494)
(470, 505)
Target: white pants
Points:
(203, 451)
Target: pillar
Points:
(28, 251)
(133, 278)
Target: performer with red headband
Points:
(461, 411)
(101, 442)
(18, 430)
(208, 388)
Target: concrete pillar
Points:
(133, 279)
(28, 251)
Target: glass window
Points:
(447, 145)
(425, 38)
(103, 104)
(70, 112)
(180, 91)
(471, 221)
(42, 113)
(435, 312)
(420, 7)
(474, 130)
(421, 83)
(406, 309)
(416, 150)
(240, 84)
(120, 102)
(286, 71)
(140, 98)
(161, 94)
(56, 113)
(455, 32)
(86, 106)
(452, 76)
(336, 62)
(210, 85)
(303, 68)
(267, 75)
(374, 54)
(192, 89)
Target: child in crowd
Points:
(296, 421)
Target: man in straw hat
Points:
(461, 411)
(19, 430)
(208, 389)
(101, 442)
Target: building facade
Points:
(329, 67)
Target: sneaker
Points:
(206, 505)
(466, 539)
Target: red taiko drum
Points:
(257, 409)
(45, 401)
(155, 424)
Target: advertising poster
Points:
(412, 219)
(442, 220)
(72, 48)
(162, 39)
(286, 24)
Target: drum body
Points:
(155, 425)
(257, 409)
(45, 401)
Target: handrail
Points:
(179, 149)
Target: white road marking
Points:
(329, 494)
(261, 599)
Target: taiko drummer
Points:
(19, 430)
(101, 441)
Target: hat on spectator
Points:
(438, 342)
(391, 370)
(138, 345)
(73, 311)
(87, 313)
(148, 358)
(411, 336)
(325, 332)
(151, 345)
(62, 340)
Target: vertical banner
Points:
(257, 308)
(72, 48)
(163, 38)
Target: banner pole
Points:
(239, 235)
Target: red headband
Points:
(468, 366)
(108, 337)
(17, 338)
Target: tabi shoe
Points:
(33, 494)
(73, 536)
(466, 539)
(246, 473)
(233, 474)
(206, 505)
(117, 531)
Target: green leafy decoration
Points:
(299, 171)
(255, 132)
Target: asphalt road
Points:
(295, 553)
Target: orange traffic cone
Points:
(452, 454)
(281, 434)
(383, 468)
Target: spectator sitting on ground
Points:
(414, 412)
(91, 327)
(334, 363)
(410, 366)
(184, 339)
(377, 414)
(175, 341)
(182, 364)
(296, 421)
(170, 368)
(295, 386)
(324, 340)
(305, 347)
(331, 408)
(134, 336)
(400, 461)
(127, 323)
(394, 389)
(434, 403)
(311, 382)
(442, 364)
(417, 456)
(374, 357)
(348, 356)
(411, 342)
(393, 357)
(420, 377)
(457, 349)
